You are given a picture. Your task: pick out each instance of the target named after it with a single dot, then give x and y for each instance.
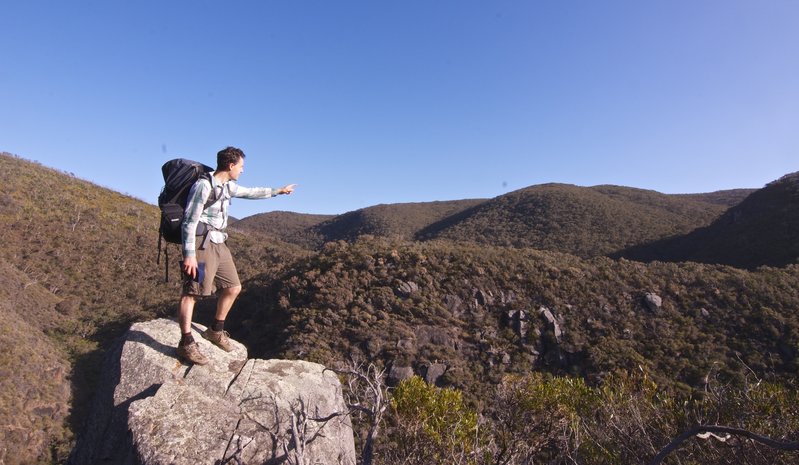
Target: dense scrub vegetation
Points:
(628, 419)
(34, 392)
(482, 312)
(566, 340)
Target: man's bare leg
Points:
(227, 296)
(185, 312)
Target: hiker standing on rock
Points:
(207, 263)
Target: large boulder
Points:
(153, 409)
(434, 371)
(653, 301)
(552, 322)
(399, 373)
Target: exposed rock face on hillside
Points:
(152, 409)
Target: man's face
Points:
(237, 169)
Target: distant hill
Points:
(761, 230)
(401, 220)
(394, 220)
(584, 221)
(295, 228)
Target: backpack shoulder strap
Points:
(213, 198)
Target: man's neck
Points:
(222, 176)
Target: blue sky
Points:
(371, 102)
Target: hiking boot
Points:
(220, 339)
(191, 353)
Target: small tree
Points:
(536, 417)
(434, 425)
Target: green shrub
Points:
(434, 425)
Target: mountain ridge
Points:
(537, 216)
(585, 221)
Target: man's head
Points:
(230, 159)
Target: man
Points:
(207, 263)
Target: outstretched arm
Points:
(258, 192)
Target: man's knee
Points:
(232, 291)
(187, 301)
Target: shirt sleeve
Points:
(250, 192)
(198, 195)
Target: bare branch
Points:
(368, 395)
(781, 445)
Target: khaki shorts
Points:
(220, 271)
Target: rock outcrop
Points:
(653, 301)
(552, 322)
(152, 409)
(399, 373)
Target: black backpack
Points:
(180, 175)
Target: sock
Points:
(185, 339)
(219, 325)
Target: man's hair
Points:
(227, 156)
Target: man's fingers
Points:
(190, 270)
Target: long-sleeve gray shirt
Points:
(215, 215)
